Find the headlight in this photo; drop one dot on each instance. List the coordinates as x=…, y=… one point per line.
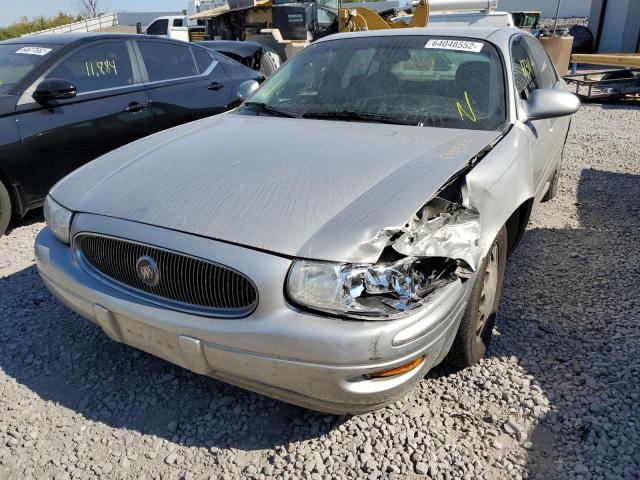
x=58, y=219
x=377, y=292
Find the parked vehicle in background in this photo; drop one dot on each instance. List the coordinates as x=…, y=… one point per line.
x=526, y=20
x=176, y=27
x=350, y=231
x=463, y=18
x=66, y=99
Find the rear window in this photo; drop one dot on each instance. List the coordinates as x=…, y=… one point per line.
x=203, y=59
x=166, y=61
x=18, y=60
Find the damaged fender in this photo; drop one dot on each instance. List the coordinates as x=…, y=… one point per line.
x=497, y=196
x=464, y=232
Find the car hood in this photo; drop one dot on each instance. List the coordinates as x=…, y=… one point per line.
x=305, y=188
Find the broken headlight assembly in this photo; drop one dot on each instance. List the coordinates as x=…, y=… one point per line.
x=436, y=247
x=382, y=291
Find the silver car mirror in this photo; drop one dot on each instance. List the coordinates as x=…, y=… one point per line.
x=550, y=103
x=246, y=89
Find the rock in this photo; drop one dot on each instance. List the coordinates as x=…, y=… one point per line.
x=422, y=468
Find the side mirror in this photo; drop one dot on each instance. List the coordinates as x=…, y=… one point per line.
x=550, y=103
x=246, y=89
x=54, y=89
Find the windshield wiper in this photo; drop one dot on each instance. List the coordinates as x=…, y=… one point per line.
x=263, y=107
x=357, y=116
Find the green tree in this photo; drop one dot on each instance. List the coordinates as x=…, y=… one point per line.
x=24, y=25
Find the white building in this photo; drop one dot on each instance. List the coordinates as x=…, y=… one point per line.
x=615, y=25
x=568, y=8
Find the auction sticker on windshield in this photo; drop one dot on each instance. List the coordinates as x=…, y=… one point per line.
x=455, y=45
x=34, y=51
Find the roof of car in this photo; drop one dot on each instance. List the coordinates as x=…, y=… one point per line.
x=70, y=37
x=482, y=33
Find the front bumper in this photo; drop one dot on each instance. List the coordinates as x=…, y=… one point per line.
x=302, y=358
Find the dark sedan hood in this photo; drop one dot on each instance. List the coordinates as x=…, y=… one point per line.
x=308, y=188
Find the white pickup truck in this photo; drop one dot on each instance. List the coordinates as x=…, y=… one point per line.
x=178, y=27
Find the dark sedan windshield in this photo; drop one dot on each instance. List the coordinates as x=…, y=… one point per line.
x=18, y=60
x=413, y=80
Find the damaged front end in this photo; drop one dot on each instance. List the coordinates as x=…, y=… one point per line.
x=438, y=246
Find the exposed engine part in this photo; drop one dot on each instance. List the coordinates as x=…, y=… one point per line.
x=445, y=229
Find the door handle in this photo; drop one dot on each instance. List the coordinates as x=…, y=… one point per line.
x=216, y=86
x=135, y=107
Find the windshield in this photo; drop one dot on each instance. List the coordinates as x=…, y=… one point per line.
x=413, y=80
x=18, y=60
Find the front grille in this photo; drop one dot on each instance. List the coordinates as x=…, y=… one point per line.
x=179, y=281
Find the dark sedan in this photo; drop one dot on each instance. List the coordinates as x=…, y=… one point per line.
x=66, y=99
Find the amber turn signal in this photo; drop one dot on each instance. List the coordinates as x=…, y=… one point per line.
x=407, y=367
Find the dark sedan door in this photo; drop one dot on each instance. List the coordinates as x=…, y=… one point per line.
x=110, y=110
x=184, y=83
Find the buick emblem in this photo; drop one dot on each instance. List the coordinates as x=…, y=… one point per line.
x=147, y=271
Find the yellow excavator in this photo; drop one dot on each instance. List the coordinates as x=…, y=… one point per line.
x=284, y=27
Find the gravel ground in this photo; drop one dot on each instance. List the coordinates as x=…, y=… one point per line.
x=557, y=397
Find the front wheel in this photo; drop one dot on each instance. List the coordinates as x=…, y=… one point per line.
x=476, y=326
x=5, y=209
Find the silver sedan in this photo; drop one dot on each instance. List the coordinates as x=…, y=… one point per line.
x=337, y=236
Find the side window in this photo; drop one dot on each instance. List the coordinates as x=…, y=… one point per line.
x=177, y=22
x=203, y=59
x=541, y=64
x=97, y=67
x=165, y=61
x=524, y=75
x=159, y=27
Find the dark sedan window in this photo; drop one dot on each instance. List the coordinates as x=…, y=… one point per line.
x=18, y=60
x=165, y=61
x=203, y=59
x=97, y=67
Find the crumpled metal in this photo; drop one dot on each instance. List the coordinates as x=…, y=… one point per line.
x=451, y=234
x=399, y=278
x=407, y=285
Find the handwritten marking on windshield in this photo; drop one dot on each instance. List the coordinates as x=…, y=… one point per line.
x=470, y=114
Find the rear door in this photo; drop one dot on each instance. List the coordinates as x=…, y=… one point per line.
x=110, y=110
x=184, y=83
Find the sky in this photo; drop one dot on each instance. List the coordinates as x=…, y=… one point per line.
x=12, y=10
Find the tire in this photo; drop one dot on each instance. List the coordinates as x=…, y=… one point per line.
x=269, y=62
x=5, y=209
x=476, y=327
x=553, y=187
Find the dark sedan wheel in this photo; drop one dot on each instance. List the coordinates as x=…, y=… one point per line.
x=476, y=326
x=5, y=209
